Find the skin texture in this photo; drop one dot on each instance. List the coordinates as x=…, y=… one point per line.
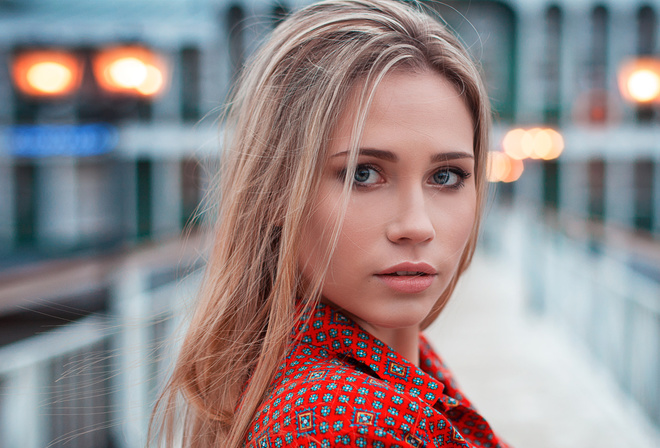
x=414, y=200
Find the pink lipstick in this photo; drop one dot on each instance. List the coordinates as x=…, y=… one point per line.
x=408, y=278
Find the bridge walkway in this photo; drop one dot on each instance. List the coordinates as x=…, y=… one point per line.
x=537, y=387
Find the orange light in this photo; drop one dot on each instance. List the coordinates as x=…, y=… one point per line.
x=554, y=148
x=644, y=85
x=639, y=80
x=152, y=83
x=498, y=166
x=516, y=169
x=534, y=143
x=503, y=168
x=130, y=70
x=46, y=73
x=513, y=145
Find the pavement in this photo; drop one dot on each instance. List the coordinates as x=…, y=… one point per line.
x=536, y=386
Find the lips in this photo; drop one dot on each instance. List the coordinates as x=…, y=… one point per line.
x=408, y=268
x=408, y=278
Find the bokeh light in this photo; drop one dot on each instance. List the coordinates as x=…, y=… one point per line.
x=639, y=80
x=503, y=168
x=130, y=70
x=152, y=82
x=534, y=143
x=513, y=145
x=644, y=85
x=127, y=73
x=46, y=73
x=555, y=146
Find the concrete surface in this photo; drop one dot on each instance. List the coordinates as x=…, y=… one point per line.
x=536, y=387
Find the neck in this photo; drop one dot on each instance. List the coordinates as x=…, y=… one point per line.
x=405, y=341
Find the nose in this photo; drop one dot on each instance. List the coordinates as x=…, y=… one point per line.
x=411, y=223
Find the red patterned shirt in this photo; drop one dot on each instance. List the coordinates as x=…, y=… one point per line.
x=342, y=387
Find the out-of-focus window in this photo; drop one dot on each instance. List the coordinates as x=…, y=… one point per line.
x=644, y=180
x=191, y=191
x=190, y=85
x=598, y=112
x=647, y=26
x=551, y=72
x=144, y=174
x=551, y=183
x=236, y=36
x=25, y=202
x=596, y=182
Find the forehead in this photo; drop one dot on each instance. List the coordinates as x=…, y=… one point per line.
x=407, y=108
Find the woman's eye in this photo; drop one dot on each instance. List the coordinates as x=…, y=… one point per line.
x=449, y=177
x=366, y=175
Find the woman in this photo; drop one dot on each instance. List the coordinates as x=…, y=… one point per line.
x=350, y=199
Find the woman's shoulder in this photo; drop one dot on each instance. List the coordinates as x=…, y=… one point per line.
x=325, y=401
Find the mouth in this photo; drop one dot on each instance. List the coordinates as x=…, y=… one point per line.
x=409, y=269
x=406, y=274
x=408, y=278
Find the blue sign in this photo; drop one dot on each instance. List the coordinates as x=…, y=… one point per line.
x=62, y=140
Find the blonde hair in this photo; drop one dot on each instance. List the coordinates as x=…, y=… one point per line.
x=282, y=114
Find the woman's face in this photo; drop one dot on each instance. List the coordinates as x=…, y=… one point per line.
x=411, y=210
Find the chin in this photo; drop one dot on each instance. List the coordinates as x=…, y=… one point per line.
x=395, y=319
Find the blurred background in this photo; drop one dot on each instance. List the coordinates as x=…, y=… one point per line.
x=109, y=140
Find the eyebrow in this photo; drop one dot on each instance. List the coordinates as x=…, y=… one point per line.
x=389, y=156
x=453, y=155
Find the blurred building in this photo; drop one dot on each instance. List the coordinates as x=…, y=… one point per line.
x=107, y=122
x=582, y=228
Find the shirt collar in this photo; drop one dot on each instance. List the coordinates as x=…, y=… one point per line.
x=332, y=330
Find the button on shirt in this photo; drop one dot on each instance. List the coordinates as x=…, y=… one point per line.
x=341, y=387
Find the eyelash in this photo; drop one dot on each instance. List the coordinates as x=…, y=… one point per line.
x=462, y=175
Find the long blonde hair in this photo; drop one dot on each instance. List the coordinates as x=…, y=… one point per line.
x=281, y=116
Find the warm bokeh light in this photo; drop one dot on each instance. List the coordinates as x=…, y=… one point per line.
x=498, y=166
x=130, y=70
x=503, y=168
x=516, y=169
x=152, y=82
x=49, y=77
x=46, y=73
x=639, y=80
x=555, y=146
x=534, y=143
x=127, y=73
x=644, y=85
x=512, y=143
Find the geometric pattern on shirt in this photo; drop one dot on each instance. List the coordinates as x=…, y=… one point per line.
x=341, y=387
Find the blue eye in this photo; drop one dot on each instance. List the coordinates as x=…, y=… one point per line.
x=365, y=174
x=452, y=178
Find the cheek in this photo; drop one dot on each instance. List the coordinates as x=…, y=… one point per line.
x=355, y=243
x=361, y=223
x=457, y=220
x=466, y=216
x=362, y=233
x=315, y=239
x=311, y=247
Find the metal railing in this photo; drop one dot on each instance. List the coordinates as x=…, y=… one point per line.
x=92, y=383
x=595, y=291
